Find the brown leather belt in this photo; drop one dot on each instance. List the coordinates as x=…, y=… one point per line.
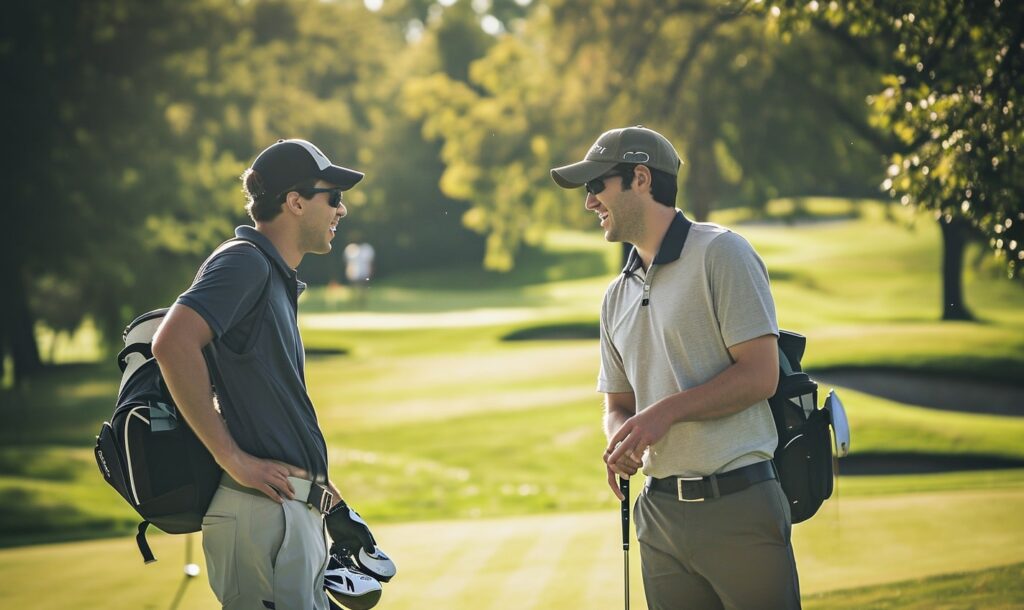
x=698, y=489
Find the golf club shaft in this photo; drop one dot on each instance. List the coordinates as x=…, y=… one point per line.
x=624, y=488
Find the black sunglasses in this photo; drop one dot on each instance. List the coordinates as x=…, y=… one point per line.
x=334, y=200
x=596, y=185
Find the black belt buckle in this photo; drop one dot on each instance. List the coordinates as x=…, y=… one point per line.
x=681, y=489
x=320, y=497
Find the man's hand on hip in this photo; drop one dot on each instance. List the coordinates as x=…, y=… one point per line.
x=267, y=476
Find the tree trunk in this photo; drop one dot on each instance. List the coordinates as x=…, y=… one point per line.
x=702, y=178
x=954, y=239
x=17, y=329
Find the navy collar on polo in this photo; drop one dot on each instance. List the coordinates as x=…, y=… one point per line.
x=671, y=245
x=250, y=233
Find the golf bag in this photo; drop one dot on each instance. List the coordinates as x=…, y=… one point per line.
x=803, y=458
x=147, y=452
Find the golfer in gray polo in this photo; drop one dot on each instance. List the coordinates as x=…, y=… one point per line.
x=688, y=359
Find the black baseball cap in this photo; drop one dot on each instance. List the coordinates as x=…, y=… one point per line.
x=287, y=162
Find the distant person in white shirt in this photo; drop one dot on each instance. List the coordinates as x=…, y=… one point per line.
x=359, y=270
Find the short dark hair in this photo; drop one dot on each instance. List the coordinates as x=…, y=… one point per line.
x=664, y=186
x=264, y=206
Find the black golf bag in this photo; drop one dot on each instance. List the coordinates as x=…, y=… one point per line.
x=803, y=457
x=147, y=452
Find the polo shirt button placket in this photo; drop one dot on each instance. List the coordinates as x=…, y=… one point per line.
x=647, y=288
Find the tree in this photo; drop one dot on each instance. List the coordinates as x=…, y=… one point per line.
x=731, y=98
x=493, y=120
x=705, y=76
x=949, y=109
x=135, y=120
x=91, y=133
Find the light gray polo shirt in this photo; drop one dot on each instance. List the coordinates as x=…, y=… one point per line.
x=668, y=329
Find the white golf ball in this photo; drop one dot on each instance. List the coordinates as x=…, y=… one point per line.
x=191, y=569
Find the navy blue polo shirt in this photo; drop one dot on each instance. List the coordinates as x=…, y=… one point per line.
x=256, y=359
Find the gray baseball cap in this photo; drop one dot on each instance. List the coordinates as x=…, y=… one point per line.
x=624, y=145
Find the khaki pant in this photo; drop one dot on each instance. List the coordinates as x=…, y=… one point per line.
x=261, y=554
x=730, y=552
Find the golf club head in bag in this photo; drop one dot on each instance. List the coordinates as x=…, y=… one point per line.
x=352, y=536
x=348, y=587
x=840, y=425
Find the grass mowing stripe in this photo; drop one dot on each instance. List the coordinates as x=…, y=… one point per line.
x=483, y=581
x=577, y=584
x=876, y=541
x=442, y=567
x=522, y=586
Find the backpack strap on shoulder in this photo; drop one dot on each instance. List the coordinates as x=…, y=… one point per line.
x=264, y=299
x=787, y=368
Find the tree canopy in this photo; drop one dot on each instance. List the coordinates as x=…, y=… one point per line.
x=130, y=122
x=949, y=103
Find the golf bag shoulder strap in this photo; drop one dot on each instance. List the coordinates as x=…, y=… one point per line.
x=227, y=245
x=146, y=349
x=787, y=368
x=264, y=298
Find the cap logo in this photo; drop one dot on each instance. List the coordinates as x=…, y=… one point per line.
x=636, y=157
x=597, y=149
x=319, y=157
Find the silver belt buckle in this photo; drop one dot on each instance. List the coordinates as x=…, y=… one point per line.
x=325, y=501
x=679, y=488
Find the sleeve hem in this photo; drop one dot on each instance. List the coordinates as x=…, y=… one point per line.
x=749, y=333
x=608, y=387
x=197, y=307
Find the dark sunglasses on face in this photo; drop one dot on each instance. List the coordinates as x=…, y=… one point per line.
x=596, y=185
x=334, y=200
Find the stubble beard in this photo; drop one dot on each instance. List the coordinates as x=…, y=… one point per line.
x=314, y=242
x=625, y=227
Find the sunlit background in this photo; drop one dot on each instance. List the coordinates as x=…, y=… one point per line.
x=870, y=153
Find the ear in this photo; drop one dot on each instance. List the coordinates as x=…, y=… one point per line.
x=642, y=178
x=294, y=203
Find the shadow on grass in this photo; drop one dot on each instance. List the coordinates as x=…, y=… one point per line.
x=533, y=266
x=62, y=405
x=548, y=332
x=321, y=352
x=883, y=463
x=947, y=389
x=25, y=518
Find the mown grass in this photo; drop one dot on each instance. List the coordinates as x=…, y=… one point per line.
x=431, y=414
x=869, y=549
x=999, y=588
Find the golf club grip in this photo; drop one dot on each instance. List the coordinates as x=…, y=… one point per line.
x=624, y=488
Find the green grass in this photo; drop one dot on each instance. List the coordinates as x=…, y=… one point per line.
x=857, y=552
x=431, y=414
x=996, y=588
